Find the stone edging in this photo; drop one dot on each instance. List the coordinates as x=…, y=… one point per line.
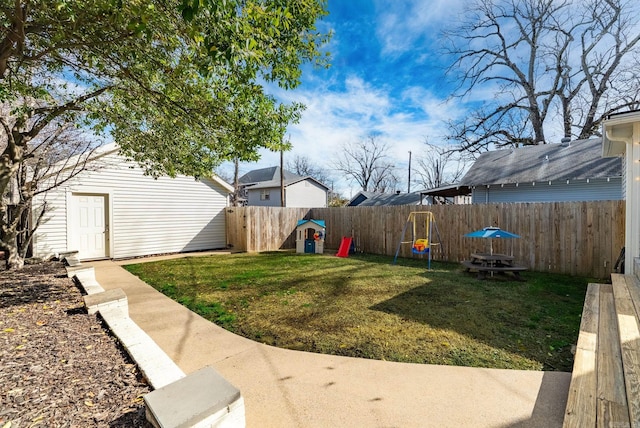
x=201, y=399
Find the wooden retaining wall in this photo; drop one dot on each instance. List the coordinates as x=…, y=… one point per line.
x=579, y=238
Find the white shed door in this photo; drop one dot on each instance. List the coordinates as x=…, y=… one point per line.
x=89, y=226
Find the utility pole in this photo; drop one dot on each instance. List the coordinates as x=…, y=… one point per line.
x=409, y=180
x=282, y=204
x=236, y=185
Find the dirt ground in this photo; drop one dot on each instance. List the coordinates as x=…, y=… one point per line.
x=59, y=366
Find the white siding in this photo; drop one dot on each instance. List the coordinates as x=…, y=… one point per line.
x=51, y=236
x=147, y=216
x=624, y=177
x=306, y=194
x=594, y=190
x=303, y=194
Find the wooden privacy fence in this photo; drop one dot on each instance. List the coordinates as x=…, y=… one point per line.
x=579, y=238
x=256, y=229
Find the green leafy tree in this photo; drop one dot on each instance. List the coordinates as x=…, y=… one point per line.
x=175, y=83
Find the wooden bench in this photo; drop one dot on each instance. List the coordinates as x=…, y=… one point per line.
x=605, y=383
x=483, y=269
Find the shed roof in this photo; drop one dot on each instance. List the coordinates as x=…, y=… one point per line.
x=580, y=159
x=110, y=148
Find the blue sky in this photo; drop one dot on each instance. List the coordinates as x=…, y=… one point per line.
x=387, y=78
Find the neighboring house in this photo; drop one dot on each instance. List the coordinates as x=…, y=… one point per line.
x=261, y=187
x=457, y=194
x=359, y=198
x=424, y=197
x=622, y=140
x=371, y=199
x=115, y=211
x=571, y=171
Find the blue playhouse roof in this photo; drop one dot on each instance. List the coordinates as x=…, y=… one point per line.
x=320, y=223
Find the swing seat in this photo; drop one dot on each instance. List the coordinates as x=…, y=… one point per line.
x=421, y=246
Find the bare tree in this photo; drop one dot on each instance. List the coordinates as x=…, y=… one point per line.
x=367, y=163
x=238, y=197
x=438, y=166
x=548, y=63
x=385, y=180
x=225, y=173
x=304, y=166
x=59, y=152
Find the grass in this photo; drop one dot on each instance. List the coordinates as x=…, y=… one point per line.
x=363, y=306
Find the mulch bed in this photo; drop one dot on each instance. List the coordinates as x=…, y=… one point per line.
x=59, y=366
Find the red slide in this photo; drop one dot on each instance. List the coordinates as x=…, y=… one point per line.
x=345, y=245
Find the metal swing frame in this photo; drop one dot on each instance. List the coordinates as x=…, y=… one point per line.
x=430, y=227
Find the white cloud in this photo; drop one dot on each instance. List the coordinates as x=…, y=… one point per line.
x=401, y=26
x=334, y=118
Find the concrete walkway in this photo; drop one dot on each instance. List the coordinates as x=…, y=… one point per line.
x=284, y=388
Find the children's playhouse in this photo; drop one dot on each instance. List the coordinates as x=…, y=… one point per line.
x=310, y=236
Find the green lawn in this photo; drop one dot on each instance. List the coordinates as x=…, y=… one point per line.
x=363, y=306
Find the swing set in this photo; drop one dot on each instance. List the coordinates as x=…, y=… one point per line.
x=420, y=244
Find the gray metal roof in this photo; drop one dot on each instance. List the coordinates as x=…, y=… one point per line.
x=448, y=191
x=266, y=174
x=266, y=178
x=387, y=199
x=359, y=197
x=580, y=159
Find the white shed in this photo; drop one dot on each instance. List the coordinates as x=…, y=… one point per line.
x=115, y=211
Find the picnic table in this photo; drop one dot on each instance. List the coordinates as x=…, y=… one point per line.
x=492, y=262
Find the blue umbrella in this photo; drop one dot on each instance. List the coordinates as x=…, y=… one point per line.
x=491, y=232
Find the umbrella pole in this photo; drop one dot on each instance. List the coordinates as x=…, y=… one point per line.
x=491, y=252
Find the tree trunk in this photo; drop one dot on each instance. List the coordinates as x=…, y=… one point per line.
x=14, y=260
x=282, y=201
x=537, y=125
x=10, y=161
x=9, y=239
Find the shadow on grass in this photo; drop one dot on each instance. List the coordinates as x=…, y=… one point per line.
x=530, y=319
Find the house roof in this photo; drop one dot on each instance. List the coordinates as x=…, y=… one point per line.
x=266, y=174
x=270, y=177
x=448, y=191
x=370, y=199
x=580, y=159
x=359, y=198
